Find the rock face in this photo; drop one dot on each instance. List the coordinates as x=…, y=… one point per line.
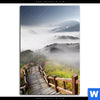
x=26, y=56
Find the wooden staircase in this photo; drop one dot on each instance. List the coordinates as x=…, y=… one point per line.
x=38, y=85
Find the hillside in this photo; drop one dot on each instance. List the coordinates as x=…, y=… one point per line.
x=26, y=56
x=62, y=47
x=69, y=26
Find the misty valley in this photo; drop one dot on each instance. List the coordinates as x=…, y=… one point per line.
x=56, y=49
x=61, y=46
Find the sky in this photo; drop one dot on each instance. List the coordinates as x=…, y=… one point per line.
x=46, y=15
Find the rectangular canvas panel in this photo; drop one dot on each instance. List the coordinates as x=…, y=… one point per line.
x=50, y=50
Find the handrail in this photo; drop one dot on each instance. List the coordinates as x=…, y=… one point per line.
x=66, y=91
x=50, y=78
x=25, y=86
x=64, y=79
x=74, y=82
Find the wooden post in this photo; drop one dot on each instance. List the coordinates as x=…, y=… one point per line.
x=74, y=85
x=26, y=72
x=55, y=83
x=26, y=86
x=48, y=80
x=43, y=74
x=64, y=84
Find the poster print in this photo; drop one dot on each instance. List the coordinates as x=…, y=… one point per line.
x=50, y=50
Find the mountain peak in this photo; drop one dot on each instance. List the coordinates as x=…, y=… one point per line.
x=67, y=26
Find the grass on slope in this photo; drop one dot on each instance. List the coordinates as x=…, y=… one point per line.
x=62, y=71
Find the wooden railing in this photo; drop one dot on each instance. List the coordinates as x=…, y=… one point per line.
x=24, y=88
x=55, y=80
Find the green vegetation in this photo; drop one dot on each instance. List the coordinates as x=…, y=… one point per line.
x=61, y=71
x=52, y=68
x=22, y=66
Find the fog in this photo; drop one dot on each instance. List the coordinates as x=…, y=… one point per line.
x=71, y=59
x=37, y=38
